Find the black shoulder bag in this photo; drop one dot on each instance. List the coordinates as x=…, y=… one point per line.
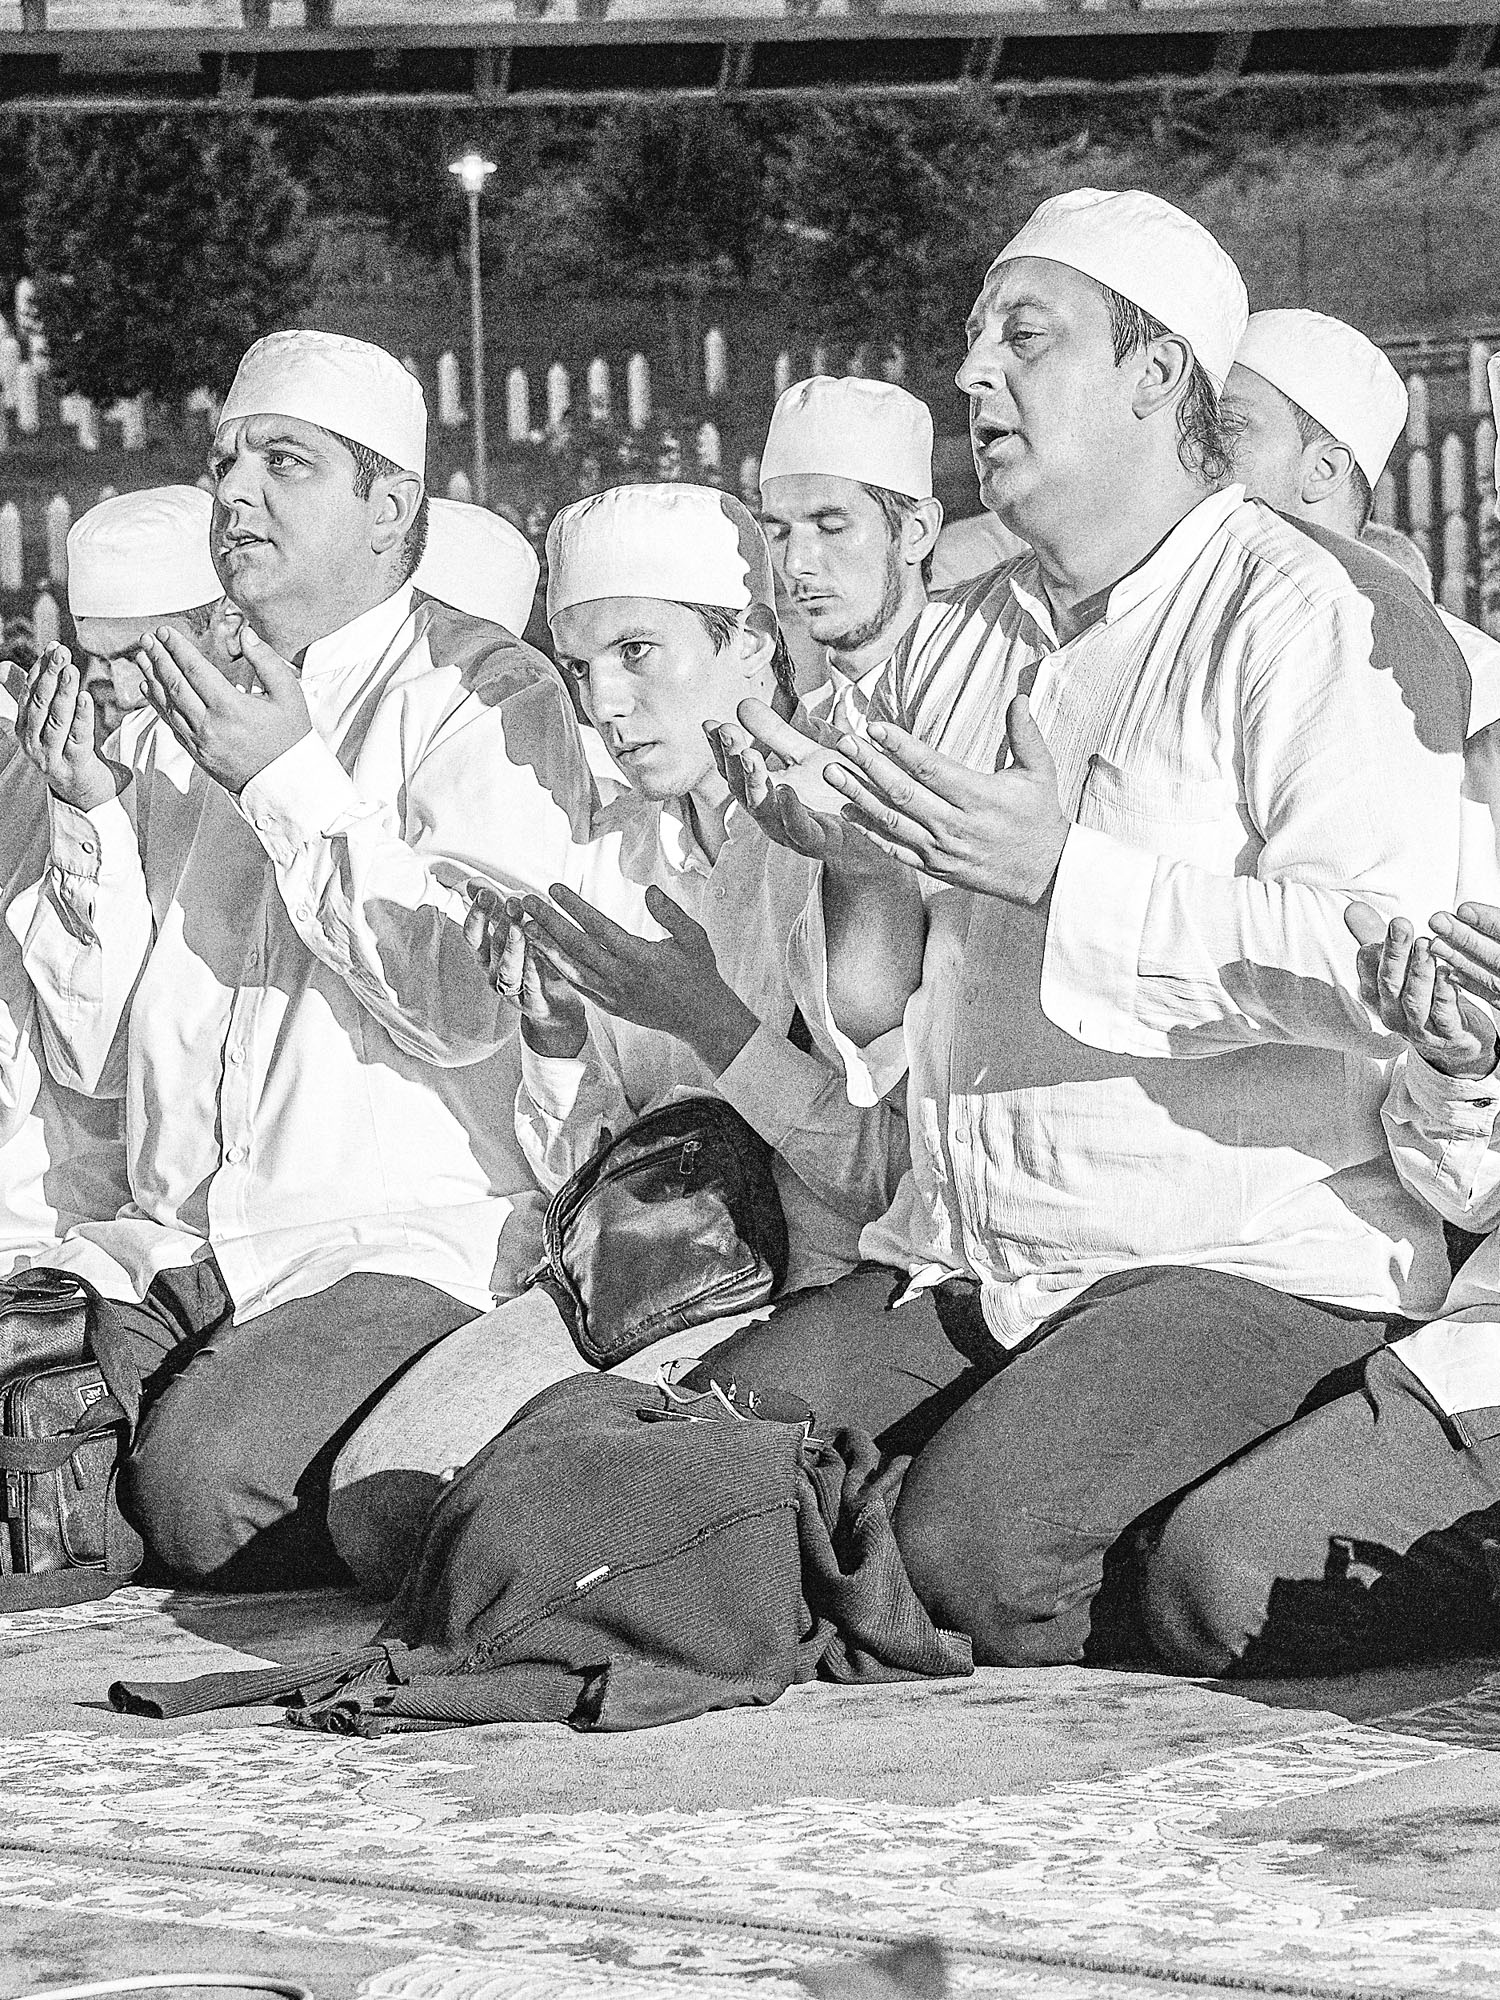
x=675, y=1222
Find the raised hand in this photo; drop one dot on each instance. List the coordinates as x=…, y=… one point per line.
x=1414, y=994
x=231, y=733
x=552, y=1017
x=55, y=729
x=1000, y=833
x=779, y=775
x=671, y=984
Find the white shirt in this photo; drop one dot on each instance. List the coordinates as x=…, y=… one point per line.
x=841, y=706
x=319, y=1077
x=1446, y=1148
x=62, y=1155
x=1171, y=1063
x=836, y=1166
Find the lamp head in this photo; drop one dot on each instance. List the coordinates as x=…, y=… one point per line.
x=473, y=170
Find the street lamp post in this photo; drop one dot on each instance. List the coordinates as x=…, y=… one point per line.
x=473, y=170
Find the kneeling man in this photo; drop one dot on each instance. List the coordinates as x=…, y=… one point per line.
x=265, y=896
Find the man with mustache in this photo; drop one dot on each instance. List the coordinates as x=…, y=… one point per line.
x=266, y=895
x=848, y=510
x=1089, y=886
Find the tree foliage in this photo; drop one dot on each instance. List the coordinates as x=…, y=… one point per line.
x=160, y=249
x=676, y=189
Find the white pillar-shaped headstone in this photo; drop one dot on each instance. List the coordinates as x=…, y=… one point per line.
x=460, y=487
x=710, y=450
x=41, y=354
x=28, y=405
x=1385, y=498
x=12, y=555
x=204, y=403
x=59, y=520
x=1484, y=458
x=409, y=363
x=450, y=395
x=1419, y=492
x=598, y=390
x=4, y=428
x=67, y=410
x=1479, y=377
x=669, y=457
x=108, y=493
x=10, y=362
x=559, y=396
x=638, y=391
x=1418, y=414
x=130, y=414
x=1453, y=474
x=820, y=359
x=715, y=362
x=88, y=425
x=517, y=406
x=1453, y=592
x=893, y=367
x=46, y=625
x=750, y=480
x=783, y=372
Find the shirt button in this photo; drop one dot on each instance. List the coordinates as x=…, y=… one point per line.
x=253, y=960
x=235, y=1155
x=236, y=1055
x=304, y=913
x=88, y=847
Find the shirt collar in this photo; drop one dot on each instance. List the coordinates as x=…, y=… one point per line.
x=361, y=642
x=679, y=844
x=1167, y=564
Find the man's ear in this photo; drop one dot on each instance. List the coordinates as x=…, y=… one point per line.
x=1162, y=370
x=920, y=528
x=397, y=496
x=1327, y=466
x=757, y=639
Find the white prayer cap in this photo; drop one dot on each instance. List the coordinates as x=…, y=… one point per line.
x=875, y=432
x=142, y=555
x=690, y=544
x=1150, y=253
x=348, y=386
x=477, y=562
x=1341, y=379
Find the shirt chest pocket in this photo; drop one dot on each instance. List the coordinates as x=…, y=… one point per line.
x=1201, y=820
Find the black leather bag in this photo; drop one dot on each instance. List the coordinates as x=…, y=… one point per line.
x=62, y=1429
x=675, y=1222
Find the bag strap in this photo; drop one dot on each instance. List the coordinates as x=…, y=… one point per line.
x=49, y=1454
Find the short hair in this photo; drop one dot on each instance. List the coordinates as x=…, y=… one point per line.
x=898, y=509
x=1401, y=550
x=721, y=626
x=1206, y=432
x=1310, y=431
x=370, y=465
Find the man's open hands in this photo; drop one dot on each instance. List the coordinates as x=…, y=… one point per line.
x=55, y=729
x=779, y=775
x=552, y=1016
x=671, y=984
x=231, y=734
x=1000, y=833
x=1403, y=979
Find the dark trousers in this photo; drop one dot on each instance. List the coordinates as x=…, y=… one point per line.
x=1027, y=1471
x=227, y=1477
x=1363, y=1534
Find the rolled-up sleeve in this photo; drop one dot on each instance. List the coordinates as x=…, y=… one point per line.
x=1349, y=795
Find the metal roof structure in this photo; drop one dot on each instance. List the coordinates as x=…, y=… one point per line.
x=91, y=54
